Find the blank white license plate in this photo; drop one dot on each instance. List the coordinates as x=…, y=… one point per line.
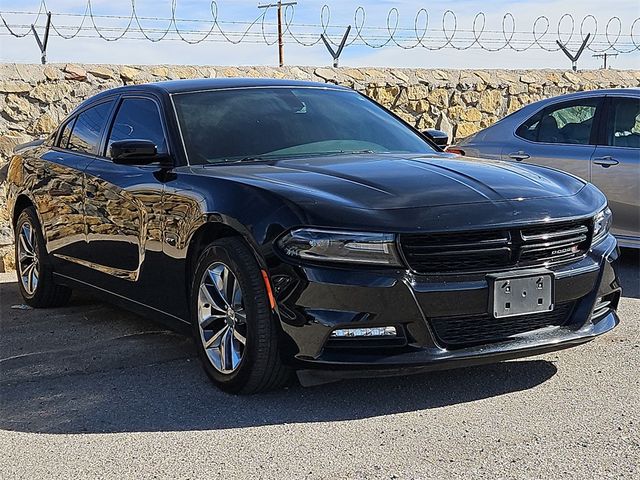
x=522, y=295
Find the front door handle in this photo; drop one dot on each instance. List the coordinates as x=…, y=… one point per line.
x=606, y=161
x=519, y=156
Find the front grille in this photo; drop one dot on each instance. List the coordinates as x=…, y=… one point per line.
x=465, y=331
x=496, y=249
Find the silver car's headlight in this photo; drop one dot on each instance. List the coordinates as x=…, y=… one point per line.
x=601, y=224
x=319, y=245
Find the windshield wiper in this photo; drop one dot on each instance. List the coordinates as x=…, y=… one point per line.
x=263, y=158
x=255, y=158
x=251, y=158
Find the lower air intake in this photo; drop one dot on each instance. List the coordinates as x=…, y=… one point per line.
x=466, y=331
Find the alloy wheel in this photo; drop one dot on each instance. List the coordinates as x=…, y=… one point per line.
x=222, y=319
x=28, y=262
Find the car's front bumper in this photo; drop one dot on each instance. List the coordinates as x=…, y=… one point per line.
x=313, y=301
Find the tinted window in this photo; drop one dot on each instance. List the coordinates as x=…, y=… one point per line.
x=624, y=123
x=529, y=129
x=85, y=135
x=139, y=119
x=568, y=122
x=233, y=124
x=66, y=134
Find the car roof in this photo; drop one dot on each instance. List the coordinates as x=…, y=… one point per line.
x=601, y=91
x=179, y=86
x=199, y=84
x=590, y=93
x=529, y=109
x=170, y=87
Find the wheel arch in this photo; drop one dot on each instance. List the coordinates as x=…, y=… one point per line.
x=208, y=233
x=22, y=202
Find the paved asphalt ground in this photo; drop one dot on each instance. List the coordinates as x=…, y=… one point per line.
x=91, y=391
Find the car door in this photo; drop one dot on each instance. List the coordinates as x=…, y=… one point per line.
x=62, y=205
x=124, y=204
x=561, y=135
x=616, y=165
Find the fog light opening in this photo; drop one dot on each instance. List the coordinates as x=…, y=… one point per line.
x=364, y=332
x=603, y=306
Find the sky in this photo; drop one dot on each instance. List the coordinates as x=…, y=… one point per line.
x=307, y=13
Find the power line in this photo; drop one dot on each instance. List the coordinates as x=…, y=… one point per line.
x=604, y=57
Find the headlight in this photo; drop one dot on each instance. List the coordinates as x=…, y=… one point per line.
x=601, y=225
x=344, y=247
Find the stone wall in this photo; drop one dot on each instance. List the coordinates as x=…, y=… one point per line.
x=35, y=98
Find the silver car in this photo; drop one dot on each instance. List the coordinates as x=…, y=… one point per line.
x=594, y=135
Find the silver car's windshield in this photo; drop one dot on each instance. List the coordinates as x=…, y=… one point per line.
x=256, y=123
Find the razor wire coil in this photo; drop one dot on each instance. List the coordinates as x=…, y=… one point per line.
x=447, y=34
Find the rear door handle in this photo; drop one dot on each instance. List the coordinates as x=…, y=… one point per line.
x=519, y=156
x=606, y=162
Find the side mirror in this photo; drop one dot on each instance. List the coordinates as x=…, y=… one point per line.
x=437, y=136
x=137, y=152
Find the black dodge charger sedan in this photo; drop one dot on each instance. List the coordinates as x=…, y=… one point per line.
x=294, y=226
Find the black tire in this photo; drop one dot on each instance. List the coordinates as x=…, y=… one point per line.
x=47, y=293
x=260, y=368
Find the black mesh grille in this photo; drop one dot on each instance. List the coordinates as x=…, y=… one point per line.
x=465, y=331
x=496, y=249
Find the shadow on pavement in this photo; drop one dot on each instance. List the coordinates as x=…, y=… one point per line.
x=94, y=368
x=629, y=272
x=176, y=396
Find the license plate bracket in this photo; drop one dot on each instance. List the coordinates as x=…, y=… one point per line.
x=521, y=293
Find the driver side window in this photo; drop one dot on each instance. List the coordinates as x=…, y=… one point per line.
x=569, y=123
x=138, y=119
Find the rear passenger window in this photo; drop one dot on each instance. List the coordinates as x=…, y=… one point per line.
x=85, y=136
x=529, y=129
x=569, y=123
x=138, y=119
x=624, y=123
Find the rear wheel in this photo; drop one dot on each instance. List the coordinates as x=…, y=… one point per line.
x=33, y=265
x=235, y=332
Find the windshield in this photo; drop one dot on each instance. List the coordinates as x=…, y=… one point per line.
x=259, y=123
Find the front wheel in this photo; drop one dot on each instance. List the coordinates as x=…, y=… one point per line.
x=33, y=266
x=235, y=332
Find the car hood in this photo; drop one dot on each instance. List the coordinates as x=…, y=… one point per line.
x=391, y=181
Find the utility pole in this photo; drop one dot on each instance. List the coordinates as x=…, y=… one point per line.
x=280, y=39
x=604, y=57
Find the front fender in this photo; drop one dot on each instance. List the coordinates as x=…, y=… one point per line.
x=18, y=188
x=191, y=202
